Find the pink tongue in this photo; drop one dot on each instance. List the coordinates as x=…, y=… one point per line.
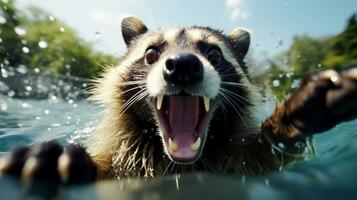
x=183, y=113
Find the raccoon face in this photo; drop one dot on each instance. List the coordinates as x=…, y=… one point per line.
x=188, y=73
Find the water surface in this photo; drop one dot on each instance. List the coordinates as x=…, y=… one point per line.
x=330, y=174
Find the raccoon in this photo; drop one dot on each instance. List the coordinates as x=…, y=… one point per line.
x=181, y=95
x=182, y=100
x=184, y=96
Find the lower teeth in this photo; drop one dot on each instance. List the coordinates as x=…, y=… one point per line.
x=197, y=144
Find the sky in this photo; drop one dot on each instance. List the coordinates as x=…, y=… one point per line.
x=272, y=23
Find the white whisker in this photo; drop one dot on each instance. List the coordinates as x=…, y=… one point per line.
x=228, y=92
x=131, y=89
x=233, y=104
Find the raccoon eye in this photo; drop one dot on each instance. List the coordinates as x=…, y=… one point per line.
x=151, y=55
x=214, y=56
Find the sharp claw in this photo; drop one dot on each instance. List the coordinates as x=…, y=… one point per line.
x=64, y=162
x=30, y=167
x=4, y=165
x=331, y=75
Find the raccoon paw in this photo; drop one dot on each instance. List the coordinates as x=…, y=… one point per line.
x=49, y=164
x=322, y=101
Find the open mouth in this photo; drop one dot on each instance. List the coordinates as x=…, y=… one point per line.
x=183, y=120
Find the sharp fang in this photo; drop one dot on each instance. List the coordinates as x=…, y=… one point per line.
x=206, y=102
x=172, y=145
x=197, y=144
x=159, y=101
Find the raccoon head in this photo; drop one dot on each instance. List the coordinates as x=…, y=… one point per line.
x=189, y=78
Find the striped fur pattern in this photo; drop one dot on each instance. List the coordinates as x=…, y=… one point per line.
x=127, y=142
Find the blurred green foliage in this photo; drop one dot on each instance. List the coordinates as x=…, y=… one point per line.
x=10, y=41
x=35, y=39
x=308, y=55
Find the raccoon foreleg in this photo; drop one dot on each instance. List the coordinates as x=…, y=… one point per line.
x=322, y=101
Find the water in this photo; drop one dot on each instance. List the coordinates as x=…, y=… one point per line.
x=70, y=119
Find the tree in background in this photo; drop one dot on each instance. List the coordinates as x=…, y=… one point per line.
x=11, y=35
x=48, y=44
x=308, y=55
x=344, y=46
x=56, y=45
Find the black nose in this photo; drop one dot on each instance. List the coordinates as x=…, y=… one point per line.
x=183, y=69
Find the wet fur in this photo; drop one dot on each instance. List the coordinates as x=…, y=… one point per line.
x=127, y=143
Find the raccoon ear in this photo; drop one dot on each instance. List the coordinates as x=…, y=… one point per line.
x=240, y=40
x=131, y=28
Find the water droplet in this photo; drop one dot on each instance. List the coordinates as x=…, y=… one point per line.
x=281, y=145
x=3, y=107
x=25, y=50
x=20, y=31
x=98, y=35
x=22, y=69
x=51, y=18
x=286, y=62
x=2, y=20
x=4, y=73
x=266, y=65
x=70, y=101
x=280, y=43
x=276, y=83
x=25, y=105
x=267, y=182
x=28, y=88
x=11, y=93
x=47, y=112
x=37, y=70
x=62, y=29
x=53, y=98
x=243, y=180
x=42, y=44
x=145, y=131
x=295, y=84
